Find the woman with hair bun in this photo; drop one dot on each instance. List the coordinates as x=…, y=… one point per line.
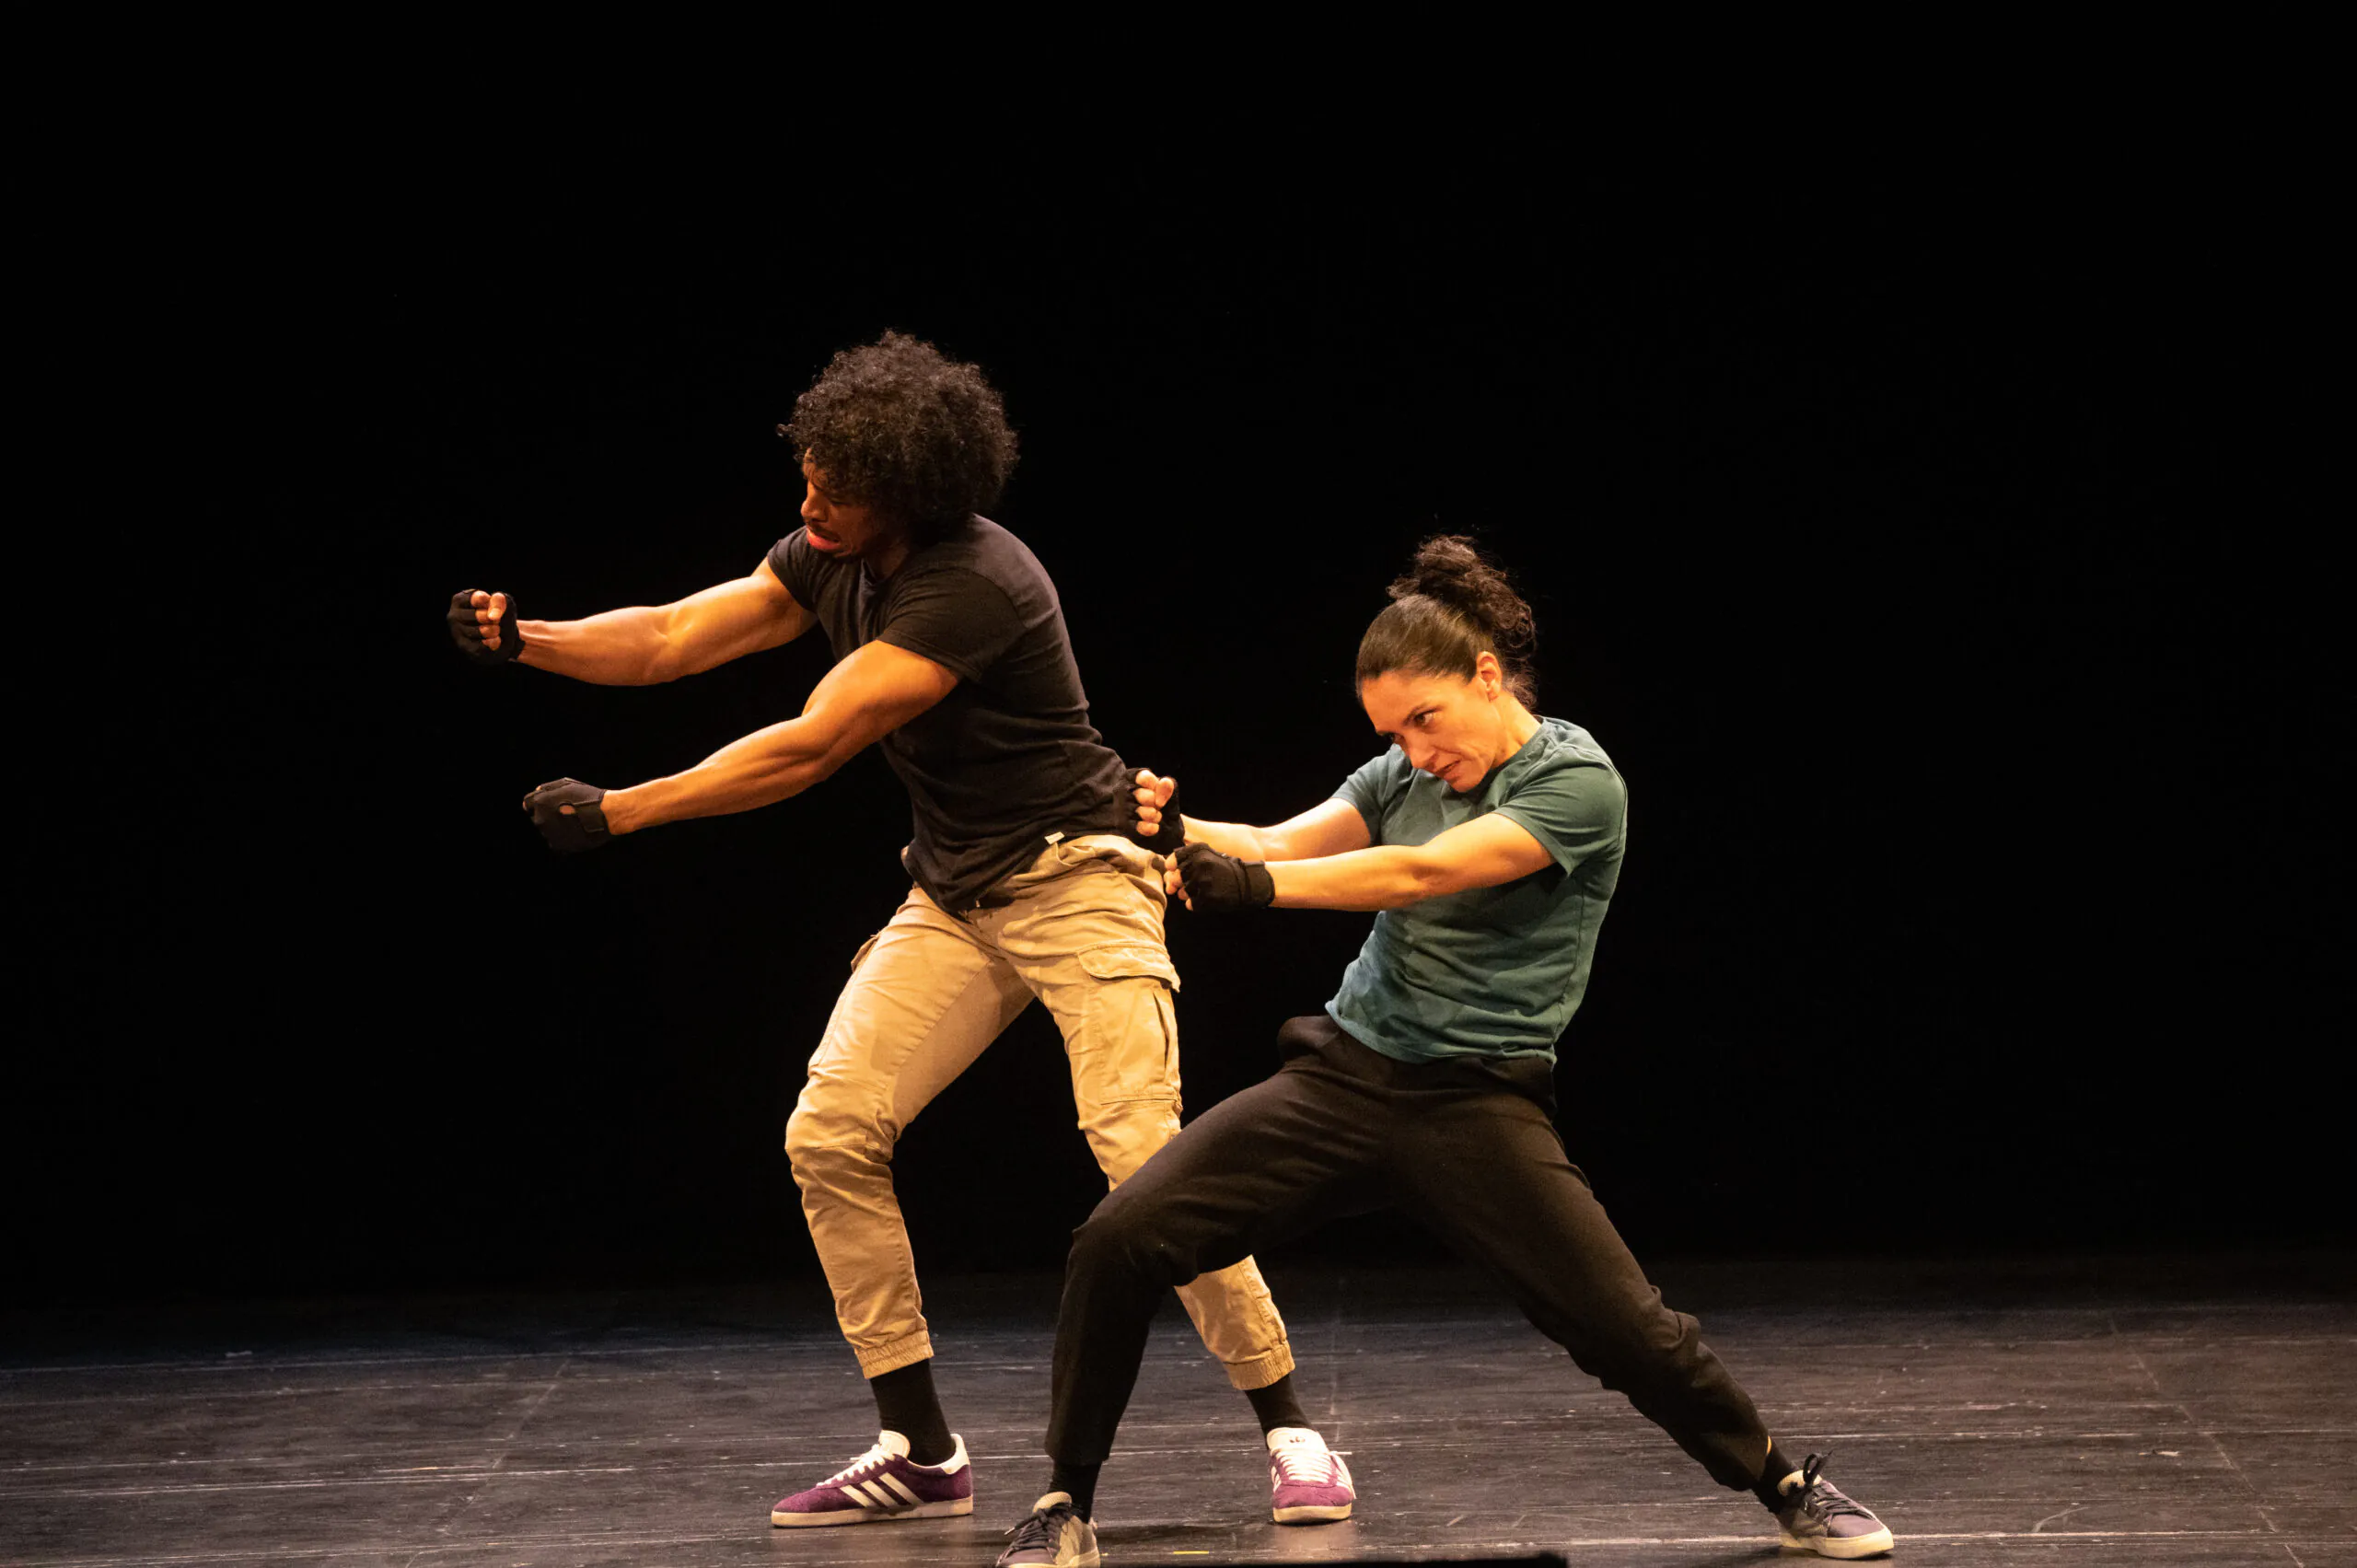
x=1489, y=839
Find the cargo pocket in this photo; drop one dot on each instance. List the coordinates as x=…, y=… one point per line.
x=1130, y=1051
x=1122, y=960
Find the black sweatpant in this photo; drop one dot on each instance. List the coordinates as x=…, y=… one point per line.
x=1468, y=1148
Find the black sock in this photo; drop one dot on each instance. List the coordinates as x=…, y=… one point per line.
x=1078, y=1480
x=1778, y=1467
x=905, y=1403
x=1276, y=1405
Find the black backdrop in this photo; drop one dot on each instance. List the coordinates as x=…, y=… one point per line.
x=1912, y=559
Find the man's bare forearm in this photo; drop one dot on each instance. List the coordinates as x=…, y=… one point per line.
x=621, y=647
x=862, y=700
x=767, y=766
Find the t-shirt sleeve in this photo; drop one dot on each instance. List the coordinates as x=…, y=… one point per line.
x=1573, y=812
x=1372, y=787
x=958, y=618
x=791, y=559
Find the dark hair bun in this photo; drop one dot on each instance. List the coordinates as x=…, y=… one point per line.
x=1449, y=569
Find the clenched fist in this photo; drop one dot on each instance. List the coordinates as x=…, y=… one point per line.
x=1213, y=883
x=1158, y=827
x=570, y=815
x=483, y=625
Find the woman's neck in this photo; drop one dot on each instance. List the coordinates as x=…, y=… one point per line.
x=1521, y=724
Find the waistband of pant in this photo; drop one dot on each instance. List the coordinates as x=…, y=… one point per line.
x=1532, y=1077
x=999, y=895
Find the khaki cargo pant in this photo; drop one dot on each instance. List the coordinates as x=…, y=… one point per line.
x=1082, y=931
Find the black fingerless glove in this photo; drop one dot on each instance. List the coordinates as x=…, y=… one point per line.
x=1220, y=884
x=467, y=631
x=569, y=831
x=1170, y=835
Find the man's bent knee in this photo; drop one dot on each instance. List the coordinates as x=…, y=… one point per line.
x=820, y=1136
x=1125, y=1134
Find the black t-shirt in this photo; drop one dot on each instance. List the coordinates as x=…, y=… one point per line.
x=1007, y=758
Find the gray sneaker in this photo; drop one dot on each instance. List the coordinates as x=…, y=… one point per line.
x=1053, y=1536
x=1816, y=1517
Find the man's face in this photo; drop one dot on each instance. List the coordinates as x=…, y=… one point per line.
x=1449, y=726
x=843, y=529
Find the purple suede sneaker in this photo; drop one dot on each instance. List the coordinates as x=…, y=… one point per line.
x=1308, y=1483
x=882, y=1485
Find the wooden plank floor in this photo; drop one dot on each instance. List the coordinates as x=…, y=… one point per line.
x=2146, y=1412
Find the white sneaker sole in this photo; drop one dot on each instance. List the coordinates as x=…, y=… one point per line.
x=874, y=1515
x=1322, y=1514
x=1842, y=1546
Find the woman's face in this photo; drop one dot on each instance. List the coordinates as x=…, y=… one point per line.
x=1450, y=727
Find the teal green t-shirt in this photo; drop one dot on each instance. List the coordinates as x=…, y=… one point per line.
x=1492, y=972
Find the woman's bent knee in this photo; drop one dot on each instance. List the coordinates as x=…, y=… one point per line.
x=1656, y=1349
x=1129, y=1236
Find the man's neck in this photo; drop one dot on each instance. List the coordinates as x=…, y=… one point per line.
x=889, y=557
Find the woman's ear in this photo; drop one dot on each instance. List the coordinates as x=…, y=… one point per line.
x=1489, y=674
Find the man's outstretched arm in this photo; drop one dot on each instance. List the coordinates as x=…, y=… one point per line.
x=647, y=645
x=864, y=698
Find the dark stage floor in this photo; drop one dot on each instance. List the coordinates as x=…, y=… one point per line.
x=2136, y=1411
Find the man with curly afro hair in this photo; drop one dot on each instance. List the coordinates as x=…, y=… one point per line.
x=951, y=655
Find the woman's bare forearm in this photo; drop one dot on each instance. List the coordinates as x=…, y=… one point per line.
x=1330, y=826
x=1228, y=838
x=1484, y=853
x=1385, y=877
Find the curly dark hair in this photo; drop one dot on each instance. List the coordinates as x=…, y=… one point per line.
x=1452, y=606
x=899, y=426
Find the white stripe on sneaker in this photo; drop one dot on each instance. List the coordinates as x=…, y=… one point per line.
x=894, y=1482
